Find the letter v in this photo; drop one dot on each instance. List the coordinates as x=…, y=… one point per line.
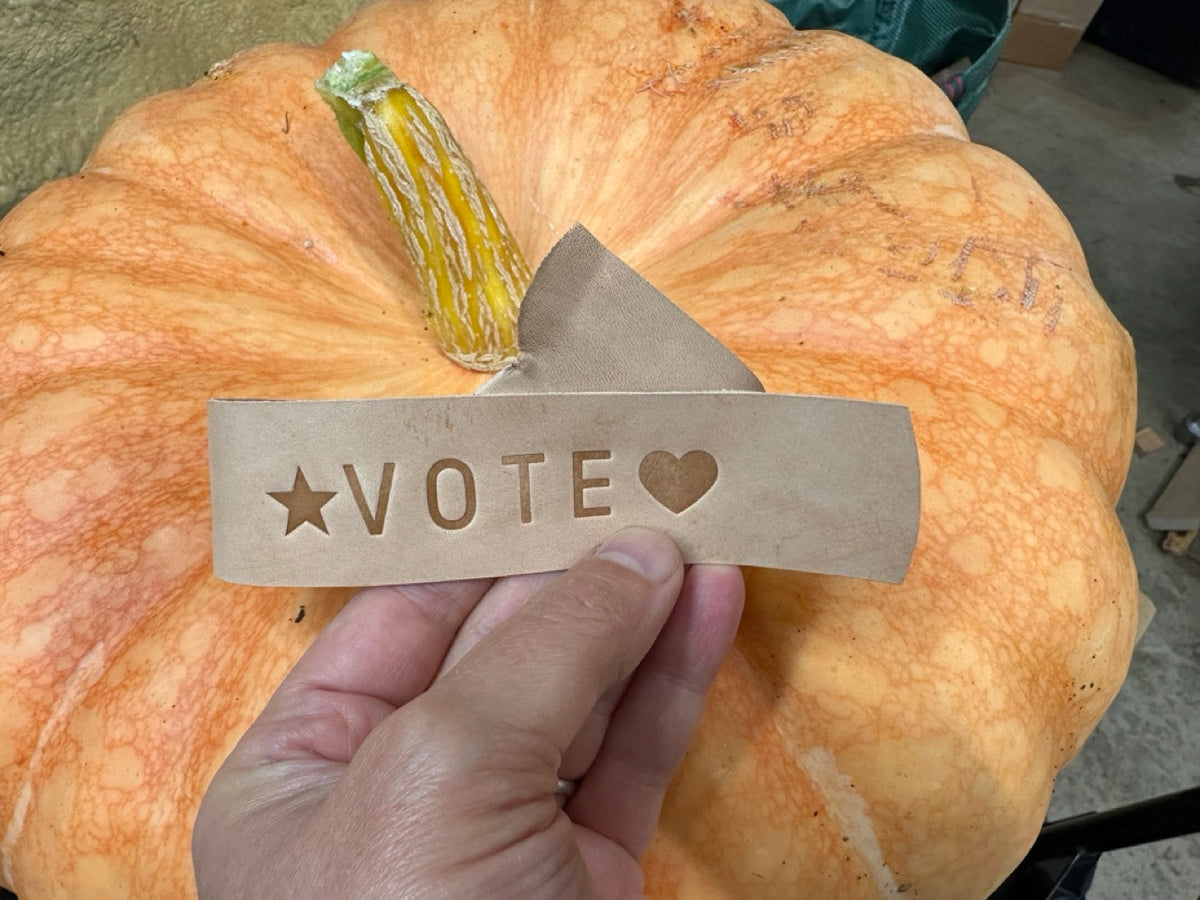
x=373, y=520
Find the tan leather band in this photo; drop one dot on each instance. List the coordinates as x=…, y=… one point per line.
x=351, y=492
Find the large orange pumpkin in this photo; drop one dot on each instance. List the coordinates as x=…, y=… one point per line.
x=813, y=203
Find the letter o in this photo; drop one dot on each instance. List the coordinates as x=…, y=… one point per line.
x=431, y=493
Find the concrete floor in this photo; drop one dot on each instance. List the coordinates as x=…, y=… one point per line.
x=1118, y=148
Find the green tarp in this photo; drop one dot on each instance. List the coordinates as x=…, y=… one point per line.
x=934, y=35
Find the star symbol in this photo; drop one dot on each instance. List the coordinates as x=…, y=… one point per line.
x=303, y=503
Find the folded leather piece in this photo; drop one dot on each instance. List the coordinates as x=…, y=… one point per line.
x=350, y=492
x=589, y=322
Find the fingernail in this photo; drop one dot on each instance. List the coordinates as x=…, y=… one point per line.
x=645, y=551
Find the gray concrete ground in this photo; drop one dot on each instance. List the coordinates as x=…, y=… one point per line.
x=1118, y=147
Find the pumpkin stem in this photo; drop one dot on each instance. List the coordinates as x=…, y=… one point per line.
x=470, y=268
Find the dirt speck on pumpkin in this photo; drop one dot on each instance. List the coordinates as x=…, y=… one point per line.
x=300, y=615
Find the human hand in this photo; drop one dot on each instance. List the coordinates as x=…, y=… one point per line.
x=415, y=749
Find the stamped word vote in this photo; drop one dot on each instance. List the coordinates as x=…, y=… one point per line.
x=450, y=494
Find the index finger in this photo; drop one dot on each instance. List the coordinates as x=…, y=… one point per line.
x=382, y=650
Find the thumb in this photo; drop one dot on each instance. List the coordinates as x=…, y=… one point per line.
x=543, y=669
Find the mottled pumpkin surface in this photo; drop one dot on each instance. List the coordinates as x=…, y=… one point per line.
x=813, y=203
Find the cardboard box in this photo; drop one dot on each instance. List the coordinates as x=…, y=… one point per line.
x=1045, y=32
x=1072, y=13
x=1034, y=41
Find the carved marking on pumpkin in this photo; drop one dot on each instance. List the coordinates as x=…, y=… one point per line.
x=962, y=298
x=791, y=121
x=887, y=206
x=964, y=254
x=1052, y=316
x=1031, y=284
x=678, y=482
x=790, y=193
x=975, y=189
x=303, y=503
x=799, y=100
x=669, y=83
x=779, y=51
x=1029, y=291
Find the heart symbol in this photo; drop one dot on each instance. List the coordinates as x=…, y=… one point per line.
x=677, y=482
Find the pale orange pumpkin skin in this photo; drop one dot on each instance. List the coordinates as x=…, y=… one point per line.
x=810, y=201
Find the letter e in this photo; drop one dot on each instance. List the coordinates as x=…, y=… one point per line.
x=581, y=484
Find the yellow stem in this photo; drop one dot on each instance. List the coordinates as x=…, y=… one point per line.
x=470, y=268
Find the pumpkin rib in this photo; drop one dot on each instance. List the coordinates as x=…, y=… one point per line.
x=157, y=237
x=126, y=340
x=325, y=209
